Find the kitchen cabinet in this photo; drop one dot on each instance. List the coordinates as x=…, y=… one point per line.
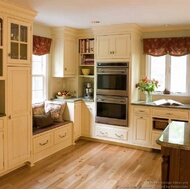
x=64, y=54
x=88, y=119
x=111, y=133
x=52, y=141
x=73, y=113
x=113, y=46
x=19, y=44
x=141, y=126
x=1, y=144
x=19, y=115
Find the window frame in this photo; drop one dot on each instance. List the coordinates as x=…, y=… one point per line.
x=44, y=75
x=168, y=75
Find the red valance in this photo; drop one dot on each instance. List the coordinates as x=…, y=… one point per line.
x=41, y=45
x=176, y=46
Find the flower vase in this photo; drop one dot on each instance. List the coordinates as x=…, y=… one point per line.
x=148, y=96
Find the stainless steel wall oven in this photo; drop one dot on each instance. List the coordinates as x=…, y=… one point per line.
x=112, y=78
x=112, y=93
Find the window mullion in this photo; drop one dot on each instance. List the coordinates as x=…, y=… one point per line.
x=168, y=72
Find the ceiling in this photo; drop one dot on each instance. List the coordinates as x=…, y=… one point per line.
x=81, y=13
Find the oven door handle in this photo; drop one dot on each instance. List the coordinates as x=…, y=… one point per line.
x=112, y=101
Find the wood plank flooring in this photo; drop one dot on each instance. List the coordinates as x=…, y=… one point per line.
x=90, y=165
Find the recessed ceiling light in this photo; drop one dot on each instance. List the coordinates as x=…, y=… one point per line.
x=95, y=22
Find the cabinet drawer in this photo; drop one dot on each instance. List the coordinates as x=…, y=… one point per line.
x=174, y=114
x=62, y=134
x=119, y=134
x=1, y=124
x=112, y=133
x=43, y=142
x=142, y=110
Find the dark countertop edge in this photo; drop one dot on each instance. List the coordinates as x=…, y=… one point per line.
x=150, y=104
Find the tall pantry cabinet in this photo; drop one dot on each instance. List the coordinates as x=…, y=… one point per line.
x=16, y=66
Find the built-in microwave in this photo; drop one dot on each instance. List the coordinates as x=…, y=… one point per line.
x=112, y=78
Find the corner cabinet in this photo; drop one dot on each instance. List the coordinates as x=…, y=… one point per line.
x=19, y=115
x=19, y=48
x=113, y=46
x=64, y=53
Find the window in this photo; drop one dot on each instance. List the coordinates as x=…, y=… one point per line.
x=171, y=71
x=39, y=73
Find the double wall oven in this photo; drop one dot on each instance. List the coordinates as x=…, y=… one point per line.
x=112, y=93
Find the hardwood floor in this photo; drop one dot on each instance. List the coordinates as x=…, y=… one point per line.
x=90, y=165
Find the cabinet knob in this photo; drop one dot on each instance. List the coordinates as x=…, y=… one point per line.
x=9, y=54
x=65, y=69
x=9, y=117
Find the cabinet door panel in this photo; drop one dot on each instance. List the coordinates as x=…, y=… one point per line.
x=104, y=47
x=141, y=130
x=1, y=151
x=19, y=114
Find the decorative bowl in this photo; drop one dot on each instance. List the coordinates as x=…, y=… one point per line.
x=86, y=71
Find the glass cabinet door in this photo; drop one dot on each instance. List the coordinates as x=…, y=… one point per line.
x=19, y=41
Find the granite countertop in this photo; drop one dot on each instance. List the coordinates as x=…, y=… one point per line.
x=176, y=135
x=73, y=99
x=151, y=104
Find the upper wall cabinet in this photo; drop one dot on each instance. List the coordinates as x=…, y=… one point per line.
x=19, y=45
x=113, y=46
x=64, y=55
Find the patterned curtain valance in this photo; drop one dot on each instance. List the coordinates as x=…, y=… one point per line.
x=41, y=45
x=176, y=46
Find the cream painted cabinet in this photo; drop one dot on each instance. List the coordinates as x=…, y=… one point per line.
x=88, y=119
x=19, y=48
x=1, y=144
x=141, y=125
x=64, y=55
x=73, y=113
x=114, y=46
x=19, y=115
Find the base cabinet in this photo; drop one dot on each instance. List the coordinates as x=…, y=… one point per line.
x=1, y=151
x=141, y=130
x=73, y=113
x=111, y=133
x=88, y=119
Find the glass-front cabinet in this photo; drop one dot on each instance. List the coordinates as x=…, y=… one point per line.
x=19, y=48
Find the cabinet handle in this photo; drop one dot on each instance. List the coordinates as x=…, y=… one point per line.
x=9, y=54
x=103, y=133
x=42, y=144
x=113, y=52
x=9, y=117
x=141, y=110
x=65, y=69
x=169, y=113
x=119, y=136
x=62, y=136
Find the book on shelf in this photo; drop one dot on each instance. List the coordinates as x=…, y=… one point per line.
x=91, y=46
x=167, y=102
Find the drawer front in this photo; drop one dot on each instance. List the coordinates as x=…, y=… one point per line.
x=119, y=134
x=1, y=124
x=62, y=134
x=102, y=132
x=112, y=133
x=42, y=142
x=142, y=110
x=174, y=114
